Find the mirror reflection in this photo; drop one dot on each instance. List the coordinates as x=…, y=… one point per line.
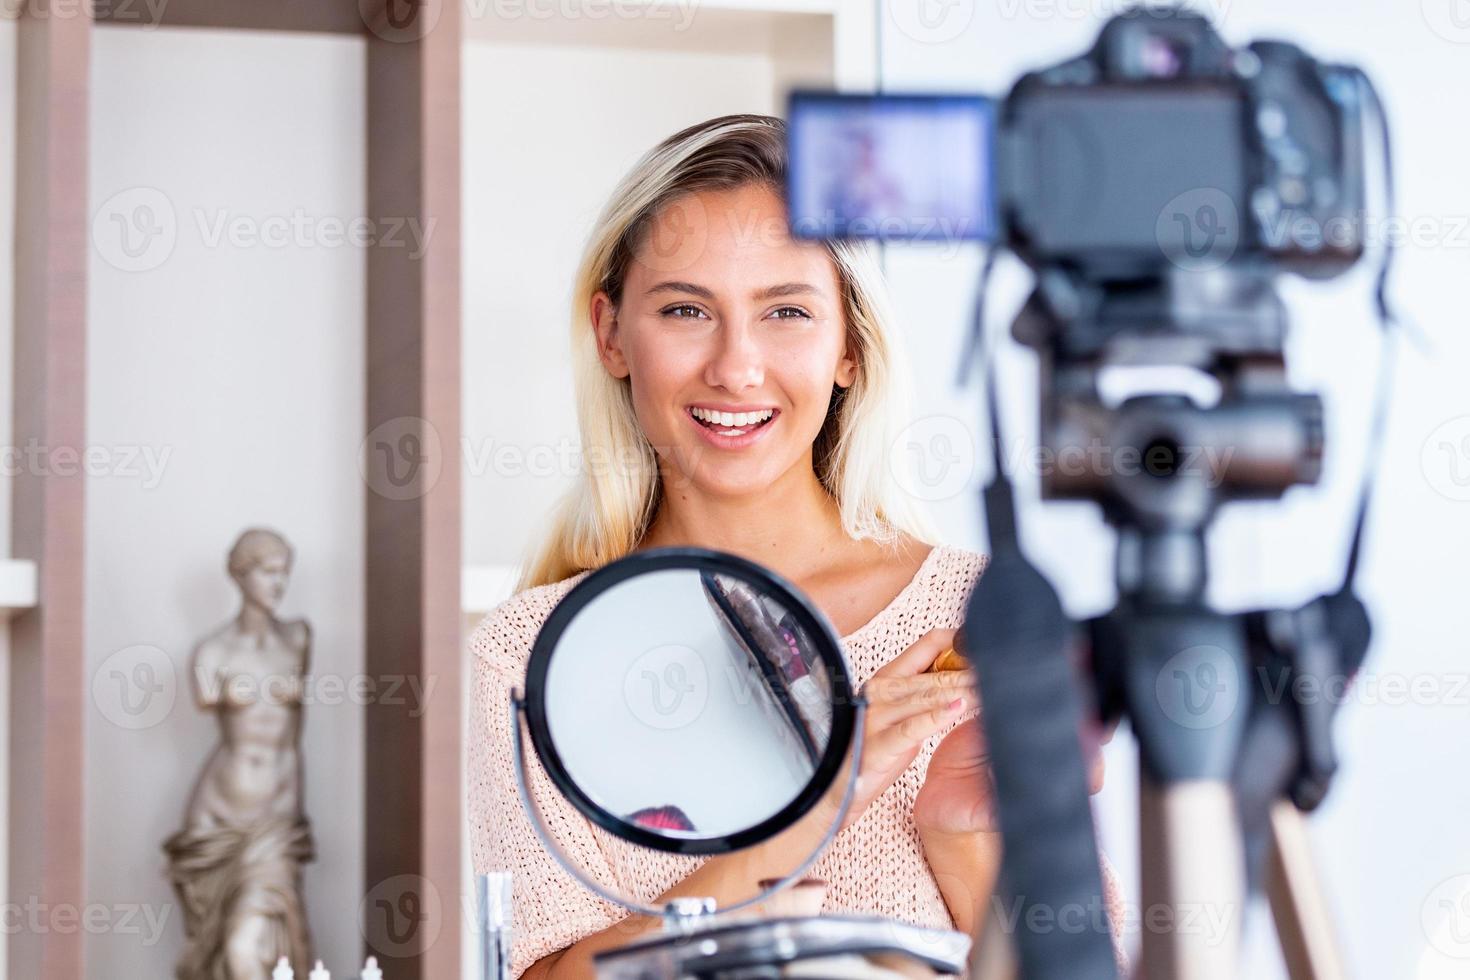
x=689, y=702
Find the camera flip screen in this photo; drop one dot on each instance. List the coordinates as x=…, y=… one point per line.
x=901, y=167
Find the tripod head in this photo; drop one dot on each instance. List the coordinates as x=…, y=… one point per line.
x=1203, y=689
x=1162, y=463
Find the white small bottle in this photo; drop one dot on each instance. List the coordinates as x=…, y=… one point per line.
x=283, y=970
x=319, y=972
x=370, y=970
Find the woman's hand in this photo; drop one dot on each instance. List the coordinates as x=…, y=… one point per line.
x=957, y=796
x=905, y=707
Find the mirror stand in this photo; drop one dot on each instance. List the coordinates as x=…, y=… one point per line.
x=683, y=914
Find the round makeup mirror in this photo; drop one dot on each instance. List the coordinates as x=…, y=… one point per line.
x=689, y=701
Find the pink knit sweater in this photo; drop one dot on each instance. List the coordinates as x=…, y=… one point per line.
x=874, y=867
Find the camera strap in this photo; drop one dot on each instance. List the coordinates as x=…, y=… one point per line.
x=1032, y=712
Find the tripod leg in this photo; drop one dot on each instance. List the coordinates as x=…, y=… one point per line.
x=1193, y=878
x=1302, y=922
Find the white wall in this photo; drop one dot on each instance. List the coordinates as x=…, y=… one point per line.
x=548, y=131
x=244, y=363
x=1394, y=828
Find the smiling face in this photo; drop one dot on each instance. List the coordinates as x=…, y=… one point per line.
x=723, y=312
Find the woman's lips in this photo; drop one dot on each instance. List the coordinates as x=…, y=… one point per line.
x=750, y=438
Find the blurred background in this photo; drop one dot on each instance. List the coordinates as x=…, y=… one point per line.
x=255, y=244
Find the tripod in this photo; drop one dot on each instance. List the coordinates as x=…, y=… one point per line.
x=1227, y=763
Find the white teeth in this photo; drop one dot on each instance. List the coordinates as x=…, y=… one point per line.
x=735, y=420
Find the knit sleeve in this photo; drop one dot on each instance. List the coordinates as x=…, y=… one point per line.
x=551, y=910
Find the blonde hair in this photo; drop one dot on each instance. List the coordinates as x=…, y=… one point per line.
x=618, y=491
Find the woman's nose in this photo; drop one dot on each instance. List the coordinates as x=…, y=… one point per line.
x=737, y=362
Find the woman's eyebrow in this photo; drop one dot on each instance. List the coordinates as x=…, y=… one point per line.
x=770, y=292
x=785, y=289
x=674, y=286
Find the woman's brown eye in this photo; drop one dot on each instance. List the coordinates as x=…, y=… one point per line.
x=792, y=312
x=683, y=311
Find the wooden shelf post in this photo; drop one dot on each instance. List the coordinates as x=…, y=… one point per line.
x=48, y=683
x=413, y=807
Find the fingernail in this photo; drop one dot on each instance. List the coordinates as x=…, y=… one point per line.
x=955, y=705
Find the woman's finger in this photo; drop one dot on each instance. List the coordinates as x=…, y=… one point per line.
x=919, y=702
x=896, y=690
x=902, y=740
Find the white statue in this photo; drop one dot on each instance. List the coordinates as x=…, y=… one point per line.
x=236, y=865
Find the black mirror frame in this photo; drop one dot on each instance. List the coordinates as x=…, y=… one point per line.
x=810, y=619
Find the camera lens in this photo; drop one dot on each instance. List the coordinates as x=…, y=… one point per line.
x=1161, y=458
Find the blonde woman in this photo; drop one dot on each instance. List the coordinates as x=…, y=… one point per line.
x=691, y=300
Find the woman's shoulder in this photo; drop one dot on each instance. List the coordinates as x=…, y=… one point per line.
x=956, y=569
x=955, y=561
x=505, y=635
